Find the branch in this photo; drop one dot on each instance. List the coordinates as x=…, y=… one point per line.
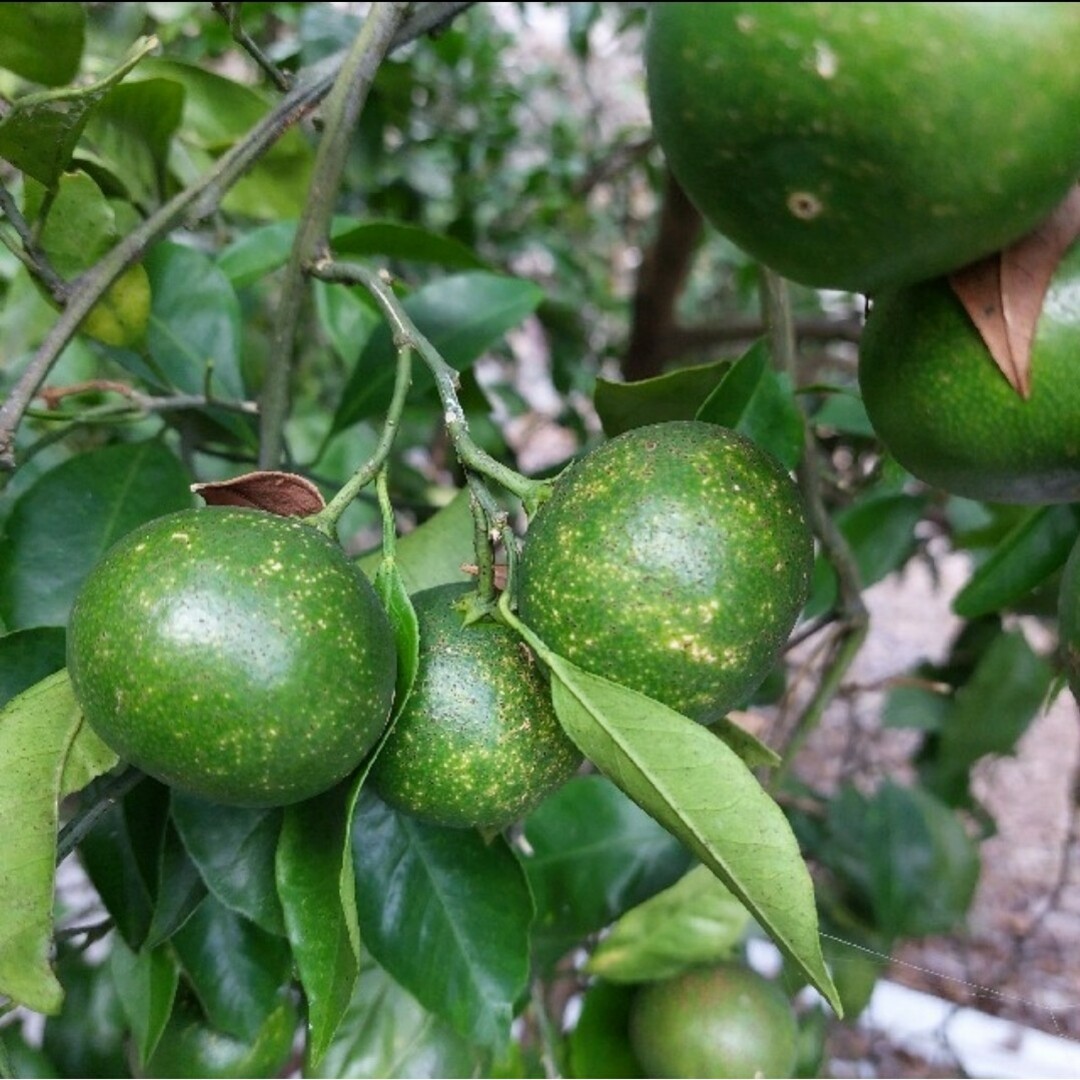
x=197, y=201
x=342, y=110
x=231, y=14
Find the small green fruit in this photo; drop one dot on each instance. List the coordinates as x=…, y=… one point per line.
x=673, y=559
x=943, y=409
x=865, y=146
x=233, y=654
x=477, y=743
x=722, y=1021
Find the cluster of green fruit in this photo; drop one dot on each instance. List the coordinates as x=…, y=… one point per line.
x=241, y=656
x=880, y=148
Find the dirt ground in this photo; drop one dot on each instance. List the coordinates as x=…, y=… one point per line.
x=1019, y=955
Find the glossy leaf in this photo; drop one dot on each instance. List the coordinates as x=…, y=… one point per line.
x=599, y=1045
x=27, y=656
x=234, y=849
x=773, y=419
x=180, y=889
x=1032, y=551
x=701, y=791
x=727, y=403
x=677, y=395
x=42, y=42
x=386, y=1032
x=446, y=914
x=236, y=969
x=37, y=730
x=146, y=983
x=390, y=585
x=404, y=242
x=591, y=855
x=347, y=318
x=315, y=883
x=462, y=316
x=99, y=495
x=695, y=922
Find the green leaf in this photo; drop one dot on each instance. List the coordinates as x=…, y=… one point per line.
x=317, y=891
x=467, y=902
x=1032, y=550
x=989, y=714
x=256, y=253
x=390, y=585
x=42, y=42
x=700, y=790
x=694, y=922
x=405, y=242
x=773, y=419
x=386, y=1032
x=195, y=327
x=923, y=866
x=678, y=395
x=843, y=411
x=728, y=401
x=433, y=553
x=37, y=730
x=236, y=969
x=99, y=496
x=592, y=854
x=146, y=983
x=747, y=745
x=27, y=656
x=346, y=317
x=916, y=707
x=599, y=1045
x=180, y=889
x=234, y=849
x=462, y=316
x=80, y=226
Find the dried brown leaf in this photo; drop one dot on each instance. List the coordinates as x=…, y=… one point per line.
x=1004, y=293
x=281, y=493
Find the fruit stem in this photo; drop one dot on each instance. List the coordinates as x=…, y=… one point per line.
x=484, y=532
x=327, y=518
x=531, y=492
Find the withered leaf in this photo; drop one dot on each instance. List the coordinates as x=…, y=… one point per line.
x=281, y=493
x=1003, y=293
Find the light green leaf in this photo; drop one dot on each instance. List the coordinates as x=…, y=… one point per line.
x=700, y=790
x=696, y=921
x=37, y=730
x=747, y=745
x=390, y=585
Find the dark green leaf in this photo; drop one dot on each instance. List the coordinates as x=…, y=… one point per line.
x=701, y=791
x=234, y=849
x=236, y=969
x=923, y=867
x=462, y=316
x=675, y=396
x=916, y=707
x=37, y=729
x=1032, y=551
x=317, y=890
x=990, y=712
x=42, y=42
x=773, y=419
x=845, y=413
x=256, y=253
x=99, y=496
x=390, y=586
x=467, y=902
x=347, y=319
x=23, y=1059
x=593, y=854
x=409, y=243
x=180, y=890
x=27, y=656
x=388, y=1033
x=39, y=135
x=600, y=1042
x=728, y=401
x=146, y=984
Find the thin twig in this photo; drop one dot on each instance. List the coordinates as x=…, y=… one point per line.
x=27, y=250
x=103, y=798
x=231, y=14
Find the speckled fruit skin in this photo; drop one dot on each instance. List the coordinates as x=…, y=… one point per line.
x=868, y=145
x=722, y=1021
x=478, y=743
x=943, y=409
x=1069, y=620
x=233, y=654
x=673, y=559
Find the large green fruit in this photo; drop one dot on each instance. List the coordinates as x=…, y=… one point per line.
x=720, y=1021
x=234, y=654
x=478, y=743
x=948, y=415
x=189, y=1047
x=1069, y=620
x=868, y=145
x=673, y=559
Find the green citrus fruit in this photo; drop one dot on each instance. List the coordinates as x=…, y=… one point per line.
x=719, y=1021
x=673, y=559
x=477, y=743
x=868, y=145
x=233, y=654
x=190, y=1047
x=947, y=414
x=1069, y=620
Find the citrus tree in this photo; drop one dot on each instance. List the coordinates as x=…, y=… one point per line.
x=350, y=729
